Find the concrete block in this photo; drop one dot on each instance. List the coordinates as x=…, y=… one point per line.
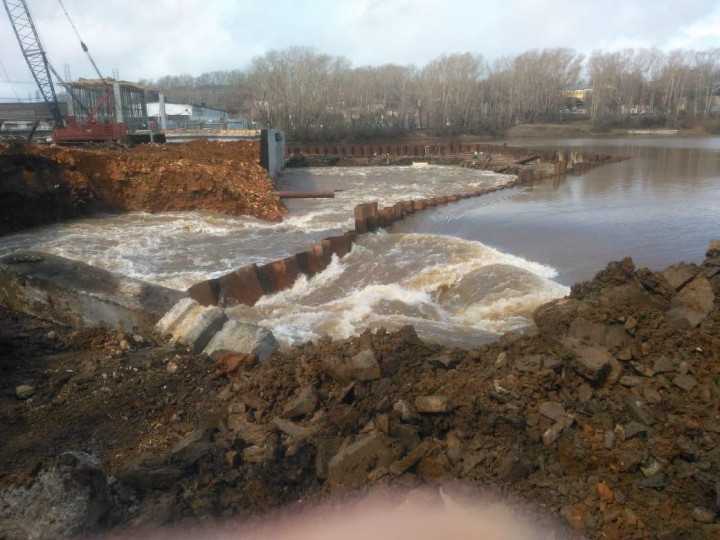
x=198, y=326
x=242, y=337
x=76, y=294
x=170, y=320
x=240, y=287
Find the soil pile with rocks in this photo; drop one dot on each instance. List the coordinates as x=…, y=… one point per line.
x=606, y=417
x=43, y=184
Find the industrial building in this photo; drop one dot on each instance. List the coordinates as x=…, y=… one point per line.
x=106, y=101
x=101, y=102
x=189, y=115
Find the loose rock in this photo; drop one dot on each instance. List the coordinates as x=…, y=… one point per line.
x=432, y=404
x=685, y=382
x=361, y=367
x=24, y=391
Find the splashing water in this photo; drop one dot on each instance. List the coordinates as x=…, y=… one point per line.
x=452, y=290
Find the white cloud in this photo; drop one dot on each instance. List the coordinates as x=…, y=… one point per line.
x=150, y=39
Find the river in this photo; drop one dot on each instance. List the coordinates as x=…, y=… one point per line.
x=461, y=274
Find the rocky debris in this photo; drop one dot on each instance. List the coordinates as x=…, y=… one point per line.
x=243, y=337
x=52, y=183
x=432, y=404
x=65, y=500
x=713, y=248
x=556, y=315
x=590, y=362
x=350, y=467
x=24, y=391
x=553, y=410
x=362, y=366
x=606, y=415
x=679, y=275
x=207, y=329
x=167, y=324
x=693, y=303
x=703, y=515
x=294, y=430
x=198, y=326
x=405, y=410
x=553, y=432
x=685, y=382
x=446, y=360
x=664, y=365
x=303, y=404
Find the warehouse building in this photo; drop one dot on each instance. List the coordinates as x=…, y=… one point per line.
x=188, y=115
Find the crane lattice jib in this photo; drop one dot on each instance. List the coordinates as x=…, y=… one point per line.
x=34, y=54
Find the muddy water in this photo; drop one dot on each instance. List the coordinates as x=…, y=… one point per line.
x=453, y=290
x=660, y=206
x=178, y=249
x=461, y=274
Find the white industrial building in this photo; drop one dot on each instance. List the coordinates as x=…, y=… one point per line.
x=187, y=115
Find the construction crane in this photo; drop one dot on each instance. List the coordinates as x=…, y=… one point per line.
x=68, y=130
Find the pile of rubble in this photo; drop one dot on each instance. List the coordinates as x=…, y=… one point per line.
x=56, y=183
x=606, y=417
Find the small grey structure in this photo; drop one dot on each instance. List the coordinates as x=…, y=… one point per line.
x=272, y=151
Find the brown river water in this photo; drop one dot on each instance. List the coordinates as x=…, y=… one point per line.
x=461, y=274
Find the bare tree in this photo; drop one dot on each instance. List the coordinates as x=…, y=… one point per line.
x=310, y=94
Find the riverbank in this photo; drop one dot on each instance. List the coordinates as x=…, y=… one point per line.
x=605, y=417
x=47, y=184
x=585, y=128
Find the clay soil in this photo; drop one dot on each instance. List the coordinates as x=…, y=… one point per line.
x=44, y=184
x=606, y=417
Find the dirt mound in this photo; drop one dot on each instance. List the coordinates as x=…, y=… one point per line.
x=607, y=417
x=44, y=184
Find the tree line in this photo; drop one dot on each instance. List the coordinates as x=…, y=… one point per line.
x=314, y=95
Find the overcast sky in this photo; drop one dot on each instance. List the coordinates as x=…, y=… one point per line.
x=148, y=39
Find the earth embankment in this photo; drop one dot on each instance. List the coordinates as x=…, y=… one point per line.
x=45, y=184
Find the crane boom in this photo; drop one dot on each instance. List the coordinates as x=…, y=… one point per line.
x=34, y=54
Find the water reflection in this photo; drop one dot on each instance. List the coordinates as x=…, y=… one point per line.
x=660, y=206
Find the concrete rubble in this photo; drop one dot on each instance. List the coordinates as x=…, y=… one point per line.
x=208, y=330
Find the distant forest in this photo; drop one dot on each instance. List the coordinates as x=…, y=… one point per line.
x=312, y=95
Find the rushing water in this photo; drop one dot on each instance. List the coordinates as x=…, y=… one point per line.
x=178, y=249
x=461, y=274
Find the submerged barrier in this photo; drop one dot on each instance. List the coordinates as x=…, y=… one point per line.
x=248, y=284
